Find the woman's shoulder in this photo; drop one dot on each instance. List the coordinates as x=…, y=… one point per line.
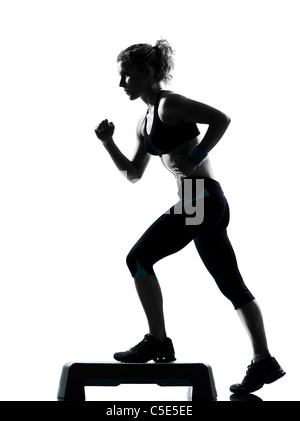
x=171, y=98
x=169, y=102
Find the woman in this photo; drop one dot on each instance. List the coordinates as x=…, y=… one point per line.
x=170, y=131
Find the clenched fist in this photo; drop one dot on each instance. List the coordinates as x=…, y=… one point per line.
x=105, y=130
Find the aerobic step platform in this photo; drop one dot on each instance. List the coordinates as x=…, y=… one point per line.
x=76, y=375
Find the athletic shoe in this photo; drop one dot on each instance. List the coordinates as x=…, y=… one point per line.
x=148, y=349
x=259, y=373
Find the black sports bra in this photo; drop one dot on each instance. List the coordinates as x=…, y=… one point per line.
x=164, y=138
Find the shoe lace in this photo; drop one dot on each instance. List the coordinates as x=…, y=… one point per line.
x=250, y=367
x=141, y=345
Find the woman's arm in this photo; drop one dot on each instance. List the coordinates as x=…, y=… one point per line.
x=184, y=109
x=134, y=169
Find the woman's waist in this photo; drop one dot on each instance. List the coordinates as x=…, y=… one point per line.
x=203, y=170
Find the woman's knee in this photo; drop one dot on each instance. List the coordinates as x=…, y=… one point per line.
x=138, y=265
x=239, y=295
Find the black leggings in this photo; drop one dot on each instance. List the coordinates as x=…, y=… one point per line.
x=170, y=233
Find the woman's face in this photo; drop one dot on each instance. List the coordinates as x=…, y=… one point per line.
x=132, y=80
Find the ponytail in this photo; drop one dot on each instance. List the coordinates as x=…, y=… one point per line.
x=165, y=61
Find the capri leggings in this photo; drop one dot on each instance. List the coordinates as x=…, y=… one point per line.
x=170, y=233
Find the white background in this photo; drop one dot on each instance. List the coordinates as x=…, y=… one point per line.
x=68, y=218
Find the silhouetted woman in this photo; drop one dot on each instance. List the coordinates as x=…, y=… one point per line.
x=169, y=130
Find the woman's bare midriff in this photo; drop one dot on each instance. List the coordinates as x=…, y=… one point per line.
x=203, y=170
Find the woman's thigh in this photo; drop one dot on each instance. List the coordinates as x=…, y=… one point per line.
x=170, y=233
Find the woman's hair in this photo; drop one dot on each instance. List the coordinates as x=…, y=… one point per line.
x=160, y=57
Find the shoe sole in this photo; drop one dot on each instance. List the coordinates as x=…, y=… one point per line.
x=161, y=359
x=165, y=359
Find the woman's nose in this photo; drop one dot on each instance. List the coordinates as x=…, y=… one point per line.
x=122, y=82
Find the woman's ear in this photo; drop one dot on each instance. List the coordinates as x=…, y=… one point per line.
x=149, y=72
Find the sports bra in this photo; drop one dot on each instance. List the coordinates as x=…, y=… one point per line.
x=164, y=138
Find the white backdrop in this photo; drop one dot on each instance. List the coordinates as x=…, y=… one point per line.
x=68, y=218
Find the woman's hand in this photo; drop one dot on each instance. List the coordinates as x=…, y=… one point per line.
x=105, y=131
x=183, y=165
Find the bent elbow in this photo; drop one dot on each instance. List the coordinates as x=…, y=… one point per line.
x=135, y=179
x=226, y=120
x=222, y=121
